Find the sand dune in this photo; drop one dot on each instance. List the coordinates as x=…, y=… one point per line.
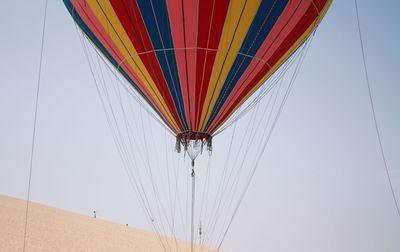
x=52, y=229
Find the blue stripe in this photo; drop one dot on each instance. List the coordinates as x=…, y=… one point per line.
x=104, y=51
x=161, y=41
x=255, y=37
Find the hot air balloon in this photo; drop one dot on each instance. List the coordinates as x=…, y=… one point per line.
x=195, y=62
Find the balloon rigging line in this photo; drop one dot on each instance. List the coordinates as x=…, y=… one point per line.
x=124, y=157
x=229, y=196
x=177, y=198
x=262, y=150
x=204, y=198
x=236, y=180
x=150, y=172
x=251, y=173
x=210, y=222
x=128, y=126
x=218, y=194
x=225, y=167
x=225, y=181
x=130, y=135
x=172, y=205
x=148, y=164
x=371, y=101
x=155, y=191
x=186, y=209
x=233, y=187
x=164, y=211
x=181, y=200
x=226, y=160
x=32, y=153
x=129, y=132
x=193, y=175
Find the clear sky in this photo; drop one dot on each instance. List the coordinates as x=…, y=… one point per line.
x=321, y=185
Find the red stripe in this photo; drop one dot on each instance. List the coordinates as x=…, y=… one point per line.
x=212, y=16
x=191, y=16
x=184, y=37
x=131, y=19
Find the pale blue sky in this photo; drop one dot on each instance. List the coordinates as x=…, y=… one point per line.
x=321, y=186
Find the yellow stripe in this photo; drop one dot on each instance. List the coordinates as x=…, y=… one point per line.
x=122, y=41
x=224, y=58
x=295, y=46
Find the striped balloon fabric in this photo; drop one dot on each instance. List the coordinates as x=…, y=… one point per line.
x=196, y=61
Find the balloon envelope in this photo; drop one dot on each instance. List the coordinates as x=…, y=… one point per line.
x=196, y=61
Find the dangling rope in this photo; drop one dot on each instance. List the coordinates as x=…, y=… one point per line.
x=374, y=113
x=34, y=126
x=193, y=201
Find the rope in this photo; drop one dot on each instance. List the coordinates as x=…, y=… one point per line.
x=121, y=145
x=193, y=205
x=265, y=136
x=34, y=125
x=374, y=113
x=231, y=190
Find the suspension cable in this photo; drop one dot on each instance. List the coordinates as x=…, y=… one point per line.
x=265, y=136
x=34, y=125
x=371, y=101
x=193, y=205
x=120, y=144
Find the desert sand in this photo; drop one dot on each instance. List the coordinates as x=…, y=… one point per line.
x=52, y=229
